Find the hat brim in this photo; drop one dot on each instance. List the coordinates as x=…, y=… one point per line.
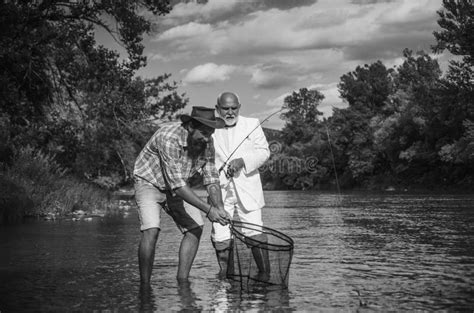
x=217, y=123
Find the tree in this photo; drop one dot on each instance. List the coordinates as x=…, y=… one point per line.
x=294, y=163
x=456, y=108
x=367, y=88
x=39, y=39
x=64, y=94
x=418, y=79
x=302, y=115
x=457, y=34
x=352, y=141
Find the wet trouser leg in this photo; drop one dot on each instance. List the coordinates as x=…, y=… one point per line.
x=225, y=257
x=260, y=255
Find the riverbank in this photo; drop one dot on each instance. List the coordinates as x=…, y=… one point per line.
x=68, y=197
x=34, y=185
x=21, y=198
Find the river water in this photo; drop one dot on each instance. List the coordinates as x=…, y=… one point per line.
x=353, y=252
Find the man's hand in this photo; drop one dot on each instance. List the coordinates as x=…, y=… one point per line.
x=217, y=215
x=235, y=166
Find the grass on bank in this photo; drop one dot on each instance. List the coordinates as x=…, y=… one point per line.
x=36, y=185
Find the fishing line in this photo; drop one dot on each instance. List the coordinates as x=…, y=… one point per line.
x=333, y=162
x=246, y=137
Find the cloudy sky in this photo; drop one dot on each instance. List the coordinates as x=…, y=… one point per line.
x=265, y=49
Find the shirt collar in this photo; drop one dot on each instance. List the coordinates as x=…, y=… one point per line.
x=183, y=136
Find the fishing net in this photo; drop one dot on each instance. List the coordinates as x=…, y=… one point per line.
x=259, y=255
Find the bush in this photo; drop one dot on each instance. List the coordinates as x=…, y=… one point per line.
x=50, y=188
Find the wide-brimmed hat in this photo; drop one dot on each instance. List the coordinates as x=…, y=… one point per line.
x=205, y=116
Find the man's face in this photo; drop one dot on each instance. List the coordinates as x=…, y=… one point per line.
x=228, y=108
x=198, y=138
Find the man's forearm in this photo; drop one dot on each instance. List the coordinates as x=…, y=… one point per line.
x=215, y=195
x=215, y=213
x=188, y=195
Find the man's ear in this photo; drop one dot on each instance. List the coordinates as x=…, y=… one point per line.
x=188, y=125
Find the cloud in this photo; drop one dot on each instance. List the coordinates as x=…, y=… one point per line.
x=191, y=29
x=208, y=73
x=409, y=25
x=331, y=99
x=278, y=101
x=269, y=79
x=326, y=24
x=271, y=75
x=269, y=47
x=274, y=121
x=156, y=57
x=259, y=5
x=211, y=11
x=365, y=2
x=214, y=11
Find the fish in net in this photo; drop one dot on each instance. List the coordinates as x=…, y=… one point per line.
x=259, y=255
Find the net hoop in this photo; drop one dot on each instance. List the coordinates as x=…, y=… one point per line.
x=287, y=244
x=259, y=255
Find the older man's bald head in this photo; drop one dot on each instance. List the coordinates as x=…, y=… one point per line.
x=222, y=98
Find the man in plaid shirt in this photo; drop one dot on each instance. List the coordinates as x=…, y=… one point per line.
x=176, y=152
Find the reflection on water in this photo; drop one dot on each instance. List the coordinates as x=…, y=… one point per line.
x=357, y=252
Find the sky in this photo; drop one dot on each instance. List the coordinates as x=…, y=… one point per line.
x=263, y=50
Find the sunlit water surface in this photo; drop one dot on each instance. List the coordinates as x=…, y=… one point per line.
x=365, y=252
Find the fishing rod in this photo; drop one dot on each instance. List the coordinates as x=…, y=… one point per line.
x=246, y=137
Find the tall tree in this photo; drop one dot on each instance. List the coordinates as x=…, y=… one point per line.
x=457, y=34
x=456, y=108
x=302, y=115
x=62, y=92
x=367, y=88
x=40, y=40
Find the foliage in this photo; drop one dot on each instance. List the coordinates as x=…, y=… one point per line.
x=64, y=94
x=407, y=125
x=50, y=188
x=301, y=114
x=367, y=88
x=457, y=34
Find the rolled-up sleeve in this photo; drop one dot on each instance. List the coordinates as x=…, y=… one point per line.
x=210, y=174
x=170, y=155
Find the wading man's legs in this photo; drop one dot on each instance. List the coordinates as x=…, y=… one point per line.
x=189, y=220
x=146, y=253
x=224, y=257
x=150, y=201
x=187, y=252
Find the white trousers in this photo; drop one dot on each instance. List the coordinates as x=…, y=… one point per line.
x=233, y=205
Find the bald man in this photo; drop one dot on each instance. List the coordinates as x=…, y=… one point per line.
x=240, y=180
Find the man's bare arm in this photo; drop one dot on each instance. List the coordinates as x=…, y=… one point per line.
x=213, y=213
x=215, y=195
x=215, y=198
x=188, y=195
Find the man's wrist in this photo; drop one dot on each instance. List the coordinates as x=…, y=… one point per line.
x=209, y=211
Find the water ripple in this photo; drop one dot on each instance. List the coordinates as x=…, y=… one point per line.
x=354, y=252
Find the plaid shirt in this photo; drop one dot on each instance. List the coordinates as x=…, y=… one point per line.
x=165, y=163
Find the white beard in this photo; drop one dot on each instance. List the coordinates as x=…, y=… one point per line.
x=230, y=121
